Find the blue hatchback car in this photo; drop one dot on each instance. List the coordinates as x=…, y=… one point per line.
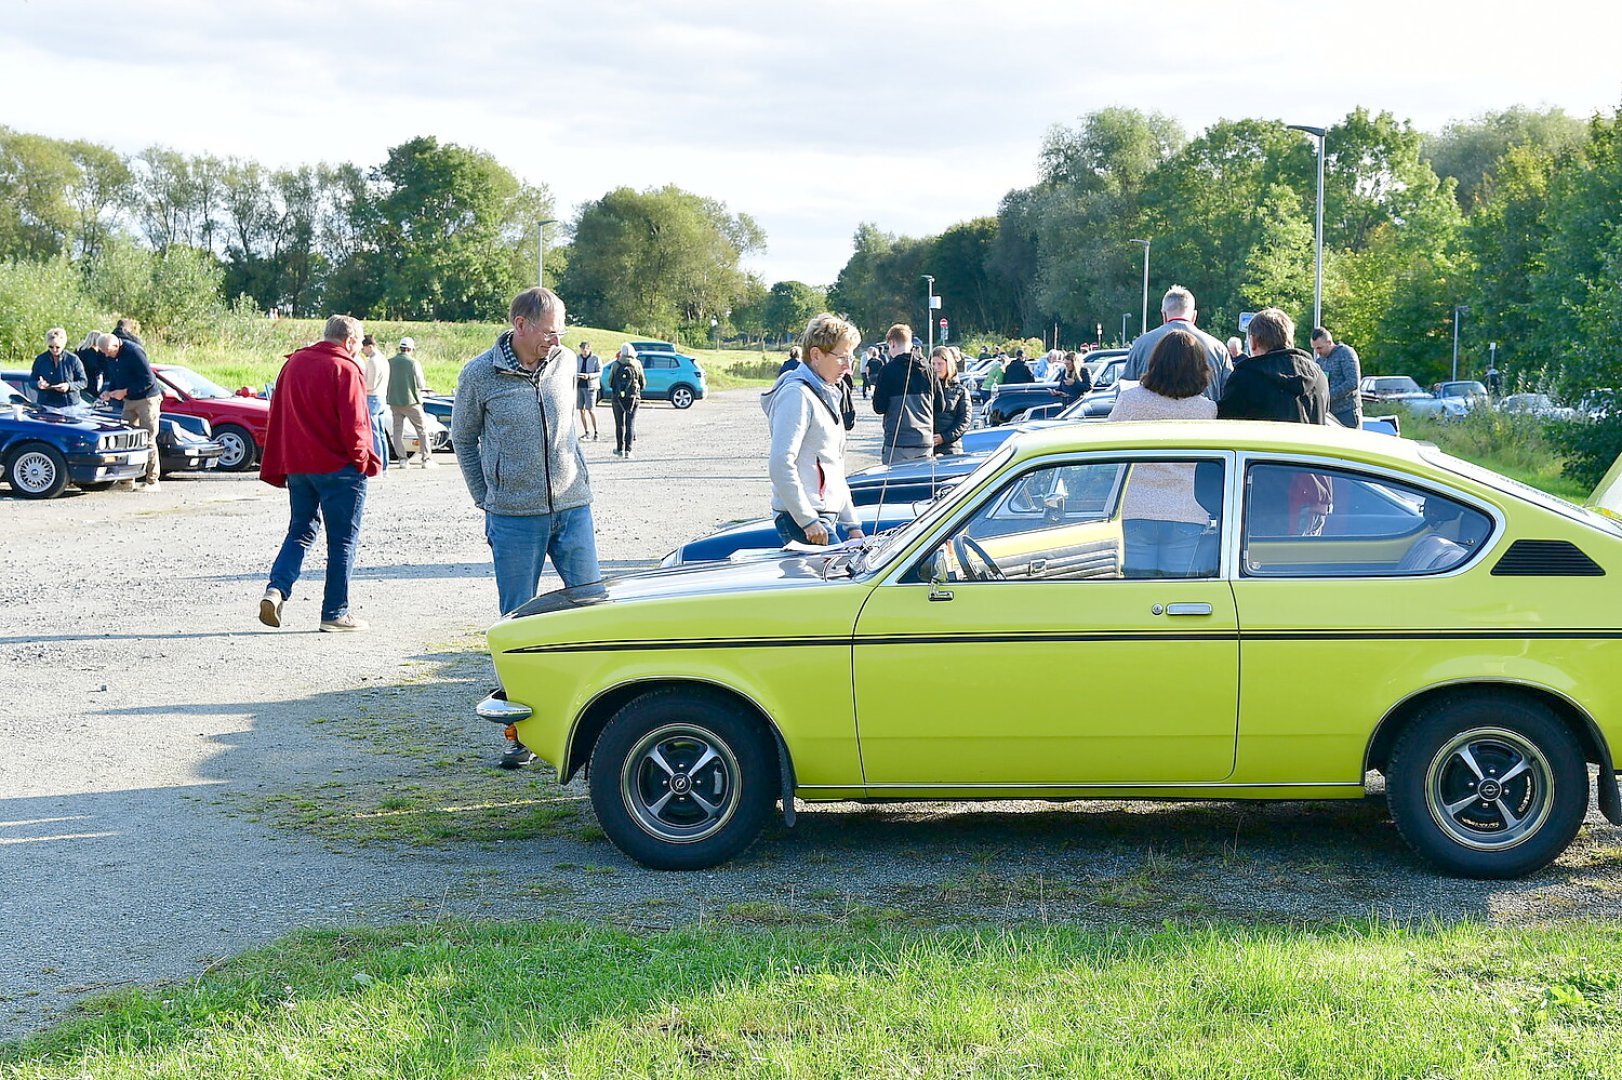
x=672, y=376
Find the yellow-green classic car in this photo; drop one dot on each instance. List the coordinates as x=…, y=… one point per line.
x=1218, y=609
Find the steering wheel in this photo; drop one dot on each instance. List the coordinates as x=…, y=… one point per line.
x=962, y=544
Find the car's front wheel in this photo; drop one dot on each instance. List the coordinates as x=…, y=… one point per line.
x=681, y=396
x=682, y=780
x=1488, y=786
x=240, y=449
x=37, y=471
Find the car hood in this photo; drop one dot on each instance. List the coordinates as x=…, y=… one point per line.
x=769, y=571
x=86, y=422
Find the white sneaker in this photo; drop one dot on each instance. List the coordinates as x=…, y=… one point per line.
x=152, y=486
x=270, y=607
x=342, y=624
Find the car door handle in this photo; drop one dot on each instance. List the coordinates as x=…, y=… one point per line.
x=1187, y=609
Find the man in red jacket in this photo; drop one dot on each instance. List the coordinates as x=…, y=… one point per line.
x=319, y=447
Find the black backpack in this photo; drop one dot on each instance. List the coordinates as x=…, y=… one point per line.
x=623, y=382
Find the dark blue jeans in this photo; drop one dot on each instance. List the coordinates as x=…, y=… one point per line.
x=789, y=530
x=339, y=498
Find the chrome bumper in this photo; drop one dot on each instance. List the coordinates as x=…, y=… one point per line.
x=498, y=710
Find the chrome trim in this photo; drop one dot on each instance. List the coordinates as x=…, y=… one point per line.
x=1159, y=785
x=501, y=711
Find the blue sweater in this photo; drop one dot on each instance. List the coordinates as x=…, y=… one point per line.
x=63, y=368
x=131, y=372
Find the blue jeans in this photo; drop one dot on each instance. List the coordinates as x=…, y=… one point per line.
x=521, y=544
x=789, y=530
x=1156, y=549
x=380, y=429
x=338, y=497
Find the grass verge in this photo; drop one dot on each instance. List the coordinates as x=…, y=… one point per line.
x=249, y=352
x=455, y=999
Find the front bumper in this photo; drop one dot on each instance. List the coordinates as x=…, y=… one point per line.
x=498, y=710
x=114, y=465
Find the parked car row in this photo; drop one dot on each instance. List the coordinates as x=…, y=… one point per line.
x=42, y=451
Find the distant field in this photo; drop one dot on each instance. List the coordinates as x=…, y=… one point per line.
x=250, y=352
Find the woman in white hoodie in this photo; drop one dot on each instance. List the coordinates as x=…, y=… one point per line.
x=807, y=461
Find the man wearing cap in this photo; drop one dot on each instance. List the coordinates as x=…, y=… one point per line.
x=406, y=388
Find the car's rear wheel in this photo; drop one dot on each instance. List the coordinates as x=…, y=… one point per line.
x=1488, y=786
x=681, y=396
x=240, y=450
x=37, y=471
x=682, y=780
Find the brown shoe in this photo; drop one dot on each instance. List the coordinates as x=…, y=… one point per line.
x=342, y=624
x=270, y=607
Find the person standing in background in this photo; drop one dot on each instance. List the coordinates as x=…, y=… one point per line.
x=626, y=381
x=952, y=419
x=1178, y=312
x=406, y=387
x=1344, y=371
x=591, y=369
x=376, y=369
x=58, y=374
x=131, y=381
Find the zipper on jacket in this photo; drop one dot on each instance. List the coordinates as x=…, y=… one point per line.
x=546, y=439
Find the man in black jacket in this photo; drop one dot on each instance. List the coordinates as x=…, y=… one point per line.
x=1276, y=381
x=1018, y=370
x=908, y=396
x=131, y=382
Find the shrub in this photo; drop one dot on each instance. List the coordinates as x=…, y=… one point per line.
x=1590, y=447
x=35, y=296
x=176, y=294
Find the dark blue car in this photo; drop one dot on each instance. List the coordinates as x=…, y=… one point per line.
x=184, y=442
x=42, y=451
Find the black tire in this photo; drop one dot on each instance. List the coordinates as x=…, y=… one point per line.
x=37, y=471
x=682, y=396
x=1453, y=751
x=650, y=797
x=241, y=452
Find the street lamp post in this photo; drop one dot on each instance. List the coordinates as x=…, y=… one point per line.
x=540, y=250
x=1143, y=326
x=715, y=328
x=1318, y=242
x=1125, y=315
x=1458, y=310
x=929, y=311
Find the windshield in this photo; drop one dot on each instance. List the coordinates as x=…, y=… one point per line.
x=1535, y=496
x=1401, y=385
x=892, y=544
x=192, y=384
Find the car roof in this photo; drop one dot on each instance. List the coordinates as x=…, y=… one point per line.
x=1258, y=435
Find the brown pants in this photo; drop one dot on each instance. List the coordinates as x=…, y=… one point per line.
x=143, y=414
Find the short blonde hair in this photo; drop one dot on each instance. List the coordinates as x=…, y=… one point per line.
x=56, y=333
x=828, y=332
x=340, y=328
x=900, y=334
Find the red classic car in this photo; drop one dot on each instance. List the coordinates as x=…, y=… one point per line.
x=239, y=423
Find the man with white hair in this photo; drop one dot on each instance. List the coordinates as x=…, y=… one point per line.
x=1177, y=309
x=58, y=374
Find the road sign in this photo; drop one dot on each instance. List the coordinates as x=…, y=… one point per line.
x=1244, y=320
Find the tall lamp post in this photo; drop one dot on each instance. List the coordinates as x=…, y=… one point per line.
x=931, y=302
x=1318, y=243
x=1125, y=315
x=1143, y=326
x=715, y=328
x=1458, y=310
x=540, y=250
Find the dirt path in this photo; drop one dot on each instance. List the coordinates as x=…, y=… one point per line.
x=179, y=783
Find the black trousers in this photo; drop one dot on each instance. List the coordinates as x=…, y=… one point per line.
x=624, y=422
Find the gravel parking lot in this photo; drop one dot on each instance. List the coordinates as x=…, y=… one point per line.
x=179, y=783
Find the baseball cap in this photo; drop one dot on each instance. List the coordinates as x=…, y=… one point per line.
x=407, y=343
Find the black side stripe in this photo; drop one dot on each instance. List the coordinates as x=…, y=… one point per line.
x=1074, y=637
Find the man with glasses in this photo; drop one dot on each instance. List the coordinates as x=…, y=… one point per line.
x=58, y=374
x=519, y=450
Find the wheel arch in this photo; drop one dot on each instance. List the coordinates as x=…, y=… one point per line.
x=1595, y=750
x=589, y=725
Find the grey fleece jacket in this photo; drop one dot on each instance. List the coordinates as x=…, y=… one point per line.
x=807, y=459
x=514, y=433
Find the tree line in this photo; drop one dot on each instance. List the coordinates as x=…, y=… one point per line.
x=1509, y=219
x=434, y=231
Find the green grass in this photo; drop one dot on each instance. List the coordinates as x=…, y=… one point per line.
x=249, y=352
x=1513, y=445
x=836, y=1000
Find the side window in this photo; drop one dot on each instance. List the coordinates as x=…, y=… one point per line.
x=660, y=362
x=1301, y=521
x=1094, y=521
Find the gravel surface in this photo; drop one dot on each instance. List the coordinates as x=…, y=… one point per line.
x=179, y=783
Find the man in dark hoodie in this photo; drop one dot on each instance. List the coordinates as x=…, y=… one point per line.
x=1018, y=370
x=1276, y=381
x=907, y=397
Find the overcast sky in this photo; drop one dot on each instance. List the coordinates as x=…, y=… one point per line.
x=811, y=116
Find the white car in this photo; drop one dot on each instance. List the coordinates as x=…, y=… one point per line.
x=1536, y=405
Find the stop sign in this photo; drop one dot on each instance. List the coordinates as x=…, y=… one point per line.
x=943, y=324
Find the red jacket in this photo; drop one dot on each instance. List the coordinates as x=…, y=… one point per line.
x=319, y=421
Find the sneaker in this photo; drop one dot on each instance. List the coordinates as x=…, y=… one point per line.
x=270, y=607
x=517, y=756
x=342, y=624
x=618, y=452
x=124, y=485
x=428, y=462
x=151, y=485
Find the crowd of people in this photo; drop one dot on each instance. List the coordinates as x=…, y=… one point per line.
x=113, y=368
